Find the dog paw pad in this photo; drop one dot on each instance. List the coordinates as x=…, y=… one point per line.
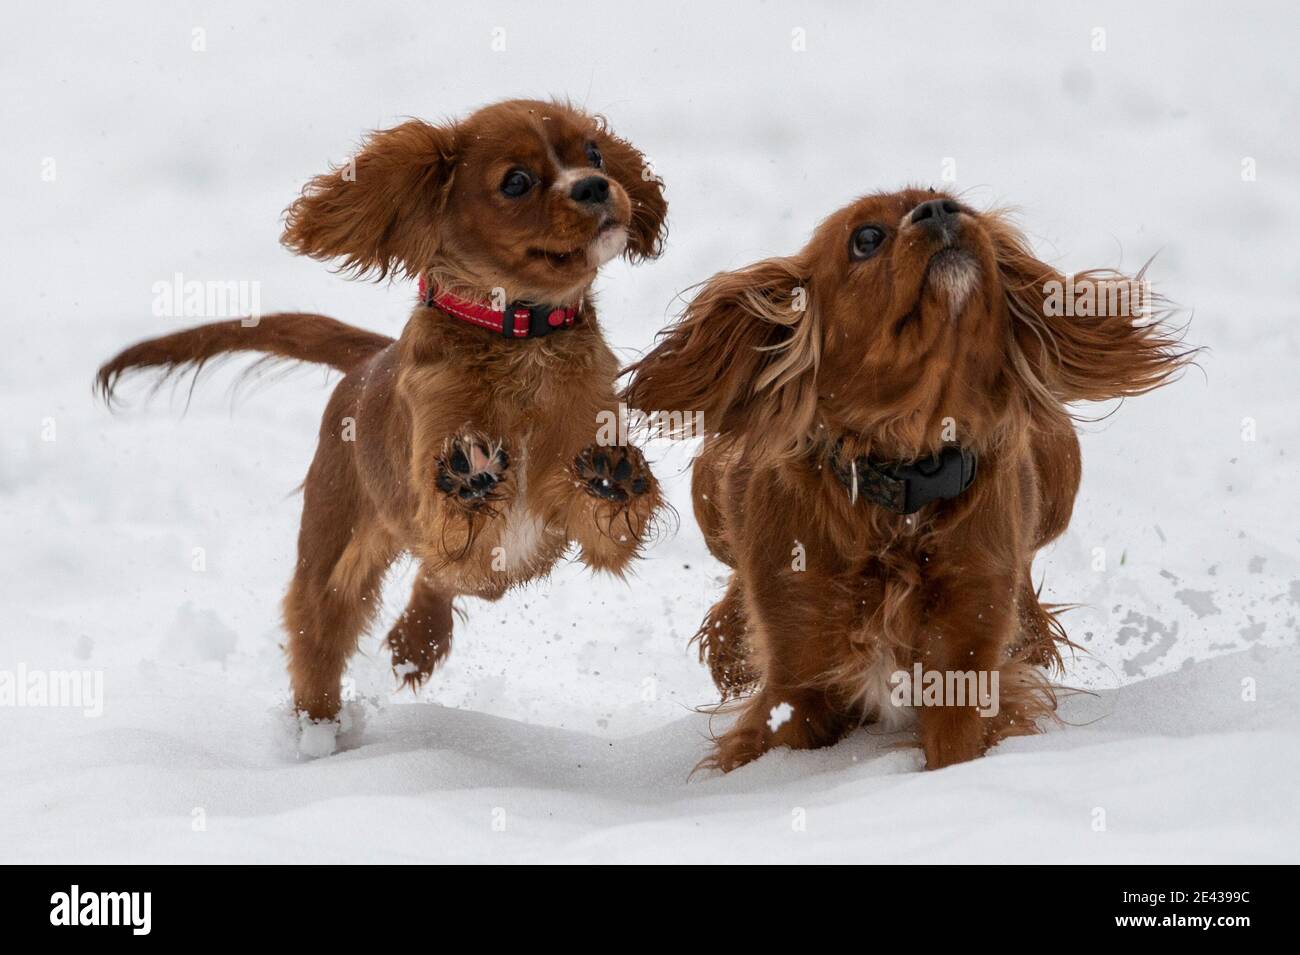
x=471, y=467
x=613, y=473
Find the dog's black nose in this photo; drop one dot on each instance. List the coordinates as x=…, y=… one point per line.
x=941, y=211
x=591, y=191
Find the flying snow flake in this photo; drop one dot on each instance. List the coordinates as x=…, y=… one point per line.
x=779, y=716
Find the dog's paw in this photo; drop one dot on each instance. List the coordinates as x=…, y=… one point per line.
x=471, y=468
x=616, y=473
x=317, y=738
x=735, y=748
x=952, y=734
x=723, y=645
x=729, y=665
x=416, y=653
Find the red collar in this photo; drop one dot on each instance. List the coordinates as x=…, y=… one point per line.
x=517, y=320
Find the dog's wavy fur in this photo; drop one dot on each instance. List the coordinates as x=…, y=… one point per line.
x=473, y=453
x=892, y=355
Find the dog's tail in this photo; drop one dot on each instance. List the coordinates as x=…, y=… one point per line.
x=298, y=336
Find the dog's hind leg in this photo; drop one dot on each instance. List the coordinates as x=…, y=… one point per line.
x=343, y=552
x=327, y=608
x=421, y=637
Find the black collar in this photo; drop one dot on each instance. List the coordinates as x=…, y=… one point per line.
x=906, y=487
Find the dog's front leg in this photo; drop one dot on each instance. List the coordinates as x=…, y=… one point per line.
x=612, y=501
x=798, y=630
x=459, y=472
x=462, y=483
x=962, y=647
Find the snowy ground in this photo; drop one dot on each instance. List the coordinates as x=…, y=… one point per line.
x=547, y=737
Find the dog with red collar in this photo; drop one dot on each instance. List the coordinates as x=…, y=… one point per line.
x=471, y=441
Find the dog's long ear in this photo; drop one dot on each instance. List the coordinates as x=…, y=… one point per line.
x=745, y=354
x=1093, y=336
x=648, y=228
x=379, y=212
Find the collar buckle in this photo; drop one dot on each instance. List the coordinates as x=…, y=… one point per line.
x=938, y=478
x=536, y=321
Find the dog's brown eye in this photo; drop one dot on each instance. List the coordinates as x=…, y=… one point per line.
x=866, y=242
x=516, y=183
x=594, y=158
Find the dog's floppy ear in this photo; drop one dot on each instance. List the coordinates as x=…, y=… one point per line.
x=745, y=354
x=648, y=228
x=380, y=211
x=1093, y=336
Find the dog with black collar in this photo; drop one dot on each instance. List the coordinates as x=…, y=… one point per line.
x=890, y=443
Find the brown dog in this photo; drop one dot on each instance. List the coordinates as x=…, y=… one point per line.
x=889, y=446
x=469, y=442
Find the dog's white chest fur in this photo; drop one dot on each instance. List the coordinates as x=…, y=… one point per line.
x=524, y=531
x=877, y=684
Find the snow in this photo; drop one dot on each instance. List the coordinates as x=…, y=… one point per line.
x=151, y=548
x=1177, y=768
x=779, y=715
x=318, y=738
